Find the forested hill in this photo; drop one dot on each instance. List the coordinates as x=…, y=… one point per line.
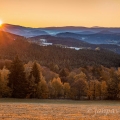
x=51, y=56
x=6, y=38
x=63, y=41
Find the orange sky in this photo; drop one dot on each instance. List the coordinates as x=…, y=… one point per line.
x=44, y=13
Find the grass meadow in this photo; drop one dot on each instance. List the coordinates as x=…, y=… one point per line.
x=40, y=109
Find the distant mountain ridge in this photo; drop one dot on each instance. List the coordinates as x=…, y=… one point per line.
x=106, y=32
x=71, y=36
x=96, y=38
x=23, y=31
x=31, y=32
x=86, y=32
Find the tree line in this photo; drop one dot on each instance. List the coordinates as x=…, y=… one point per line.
x=31, y=80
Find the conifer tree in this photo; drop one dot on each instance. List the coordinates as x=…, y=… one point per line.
x=36, y=73
x=17, y=80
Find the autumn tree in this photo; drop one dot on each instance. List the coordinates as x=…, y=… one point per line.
x=112, y=84
x=5, y=91
x=57, y=87
x=103, y=90
x=63, y=74
x=81, y=75
x=70, y=77
x=42, y=89
x=66, y=90
x=97, y=89
x=79, y=88
x=118, y=75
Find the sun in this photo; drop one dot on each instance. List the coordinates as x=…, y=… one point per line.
x=1, y=22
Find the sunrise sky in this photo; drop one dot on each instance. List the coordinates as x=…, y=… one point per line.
x=45, y=13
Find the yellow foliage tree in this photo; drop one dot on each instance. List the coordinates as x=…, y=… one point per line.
x=5, y=91
x=66, y=89
x=57, y=87
x=42, y=89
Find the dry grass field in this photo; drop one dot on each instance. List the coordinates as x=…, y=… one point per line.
x=20, y=109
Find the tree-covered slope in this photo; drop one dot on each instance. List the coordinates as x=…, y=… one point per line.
x=63, y=57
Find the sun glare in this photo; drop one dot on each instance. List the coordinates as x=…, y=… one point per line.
x=1, y=22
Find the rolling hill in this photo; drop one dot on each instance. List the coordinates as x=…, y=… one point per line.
x=70, y=42
x=103, y=37
x=7, y=38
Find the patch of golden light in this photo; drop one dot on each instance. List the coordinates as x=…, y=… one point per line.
x=1, y=22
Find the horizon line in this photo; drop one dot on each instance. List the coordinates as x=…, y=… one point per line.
x=60, y=26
